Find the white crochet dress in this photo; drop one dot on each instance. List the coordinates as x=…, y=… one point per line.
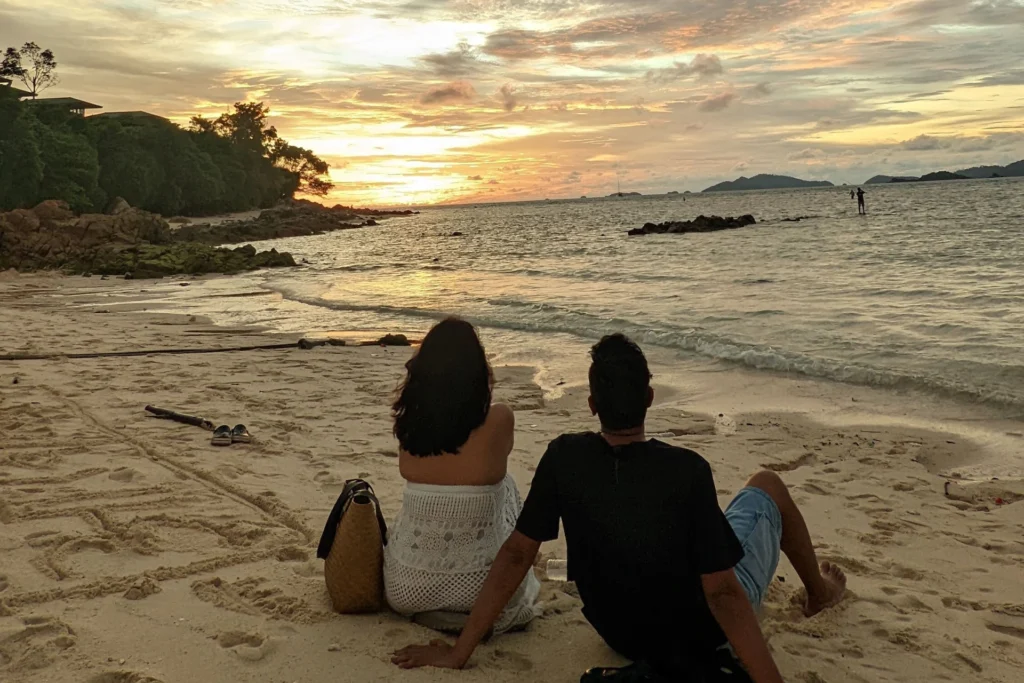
x=441, y=547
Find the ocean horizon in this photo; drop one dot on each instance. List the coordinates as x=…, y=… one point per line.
x=920, y=294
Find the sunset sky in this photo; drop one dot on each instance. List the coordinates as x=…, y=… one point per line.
x=422, y=101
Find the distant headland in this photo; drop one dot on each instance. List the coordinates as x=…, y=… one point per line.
x=765, y=181
x=1014, y=170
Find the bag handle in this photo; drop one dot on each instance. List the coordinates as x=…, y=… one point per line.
x=352, y=488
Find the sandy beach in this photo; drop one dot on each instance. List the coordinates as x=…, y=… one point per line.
x=134, y=551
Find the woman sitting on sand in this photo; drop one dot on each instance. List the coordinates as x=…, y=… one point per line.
x=460, y=504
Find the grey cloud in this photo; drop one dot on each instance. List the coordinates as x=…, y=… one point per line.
x=962, y=144
x=807, y=155
x=702, y=66
x=764, y=88
x=492, y=181
x=454, y=92
x=924, y=143
x=1010, y=77
x=461, y=61
x=717, y=102
x=604, y=37
x=507, y=95
x=514, y=44
x=475, y=177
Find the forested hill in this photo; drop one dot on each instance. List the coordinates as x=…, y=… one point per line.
x=234, y=163
x=764, y=181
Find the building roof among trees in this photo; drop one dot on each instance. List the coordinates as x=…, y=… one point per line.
x=69, y=102
x=131, y=116
x=6, y=82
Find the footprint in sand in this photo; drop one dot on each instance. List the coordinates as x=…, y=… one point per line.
x=309, y=569
x=142, y=588
x=1006, y=629
x=811, y=677
x=123, y=677
x=37, y=645
x=292, y=553
x=802, y=461
x=3, y=583
x=511, y=661
x=123, y=474
x=968, y=661
x=817, y=487
x=251, y=647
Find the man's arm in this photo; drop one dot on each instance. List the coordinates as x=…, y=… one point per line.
x=731, y=607
x=508, y=571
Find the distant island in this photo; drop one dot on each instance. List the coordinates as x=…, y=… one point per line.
x=766, y=182
x=929, y=177
x=1013, y=170
x=625, y=194
x=883, y=179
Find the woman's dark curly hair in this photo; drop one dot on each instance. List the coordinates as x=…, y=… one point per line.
x=446, y=393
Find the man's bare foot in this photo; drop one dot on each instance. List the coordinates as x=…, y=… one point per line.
x=833, y=590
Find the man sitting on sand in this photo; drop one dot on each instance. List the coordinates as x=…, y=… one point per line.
x=666, y=578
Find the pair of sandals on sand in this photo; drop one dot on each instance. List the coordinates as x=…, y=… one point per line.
x=225, y=436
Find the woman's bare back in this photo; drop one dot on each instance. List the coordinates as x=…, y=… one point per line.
x=481, y=461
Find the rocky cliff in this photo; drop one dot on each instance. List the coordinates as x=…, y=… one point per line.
x=126, y=241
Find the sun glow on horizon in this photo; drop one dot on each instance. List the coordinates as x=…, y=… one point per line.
x=487, y=100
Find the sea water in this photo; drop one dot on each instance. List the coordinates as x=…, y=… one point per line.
x=923, y=293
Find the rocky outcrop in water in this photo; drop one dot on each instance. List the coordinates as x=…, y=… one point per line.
x=129, y=242
x=294, y=219
x=379, y=213
x=698, y=224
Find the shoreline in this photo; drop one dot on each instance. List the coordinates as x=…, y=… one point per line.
x=689, y=381
x=146, y=551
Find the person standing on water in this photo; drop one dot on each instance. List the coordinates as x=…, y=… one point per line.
x=861, y=208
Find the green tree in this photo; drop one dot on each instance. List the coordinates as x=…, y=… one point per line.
x=127, y=169
x=233, y=163
x=309, y=168
x=71, y=168
x=246, y=127
x=21, y=165
x=32, y=65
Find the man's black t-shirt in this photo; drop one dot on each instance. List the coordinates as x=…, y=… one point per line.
x=642, y=524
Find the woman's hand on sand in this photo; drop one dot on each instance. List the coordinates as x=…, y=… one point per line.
x=438, y=653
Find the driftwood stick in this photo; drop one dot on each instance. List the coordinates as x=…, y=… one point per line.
x=151, y=352
x=306, y=344
x=165, y=414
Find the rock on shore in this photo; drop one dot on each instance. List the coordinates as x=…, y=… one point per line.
x=698, y=224
x=126, y=241
x=297, y=218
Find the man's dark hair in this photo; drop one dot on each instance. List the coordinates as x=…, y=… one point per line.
x=619, y=382
x=446, y=393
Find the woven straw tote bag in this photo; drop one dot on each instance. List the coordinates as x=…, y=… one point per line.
x=354, y=567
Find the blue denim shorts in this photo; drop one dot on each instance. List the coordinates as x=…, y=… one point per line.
x=757, y=523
